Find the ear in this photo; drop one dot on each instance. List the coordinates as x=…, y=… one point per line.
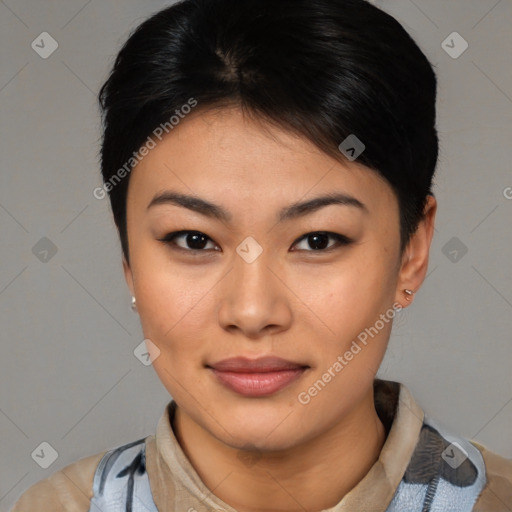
x=128, y=275
x=414, y=264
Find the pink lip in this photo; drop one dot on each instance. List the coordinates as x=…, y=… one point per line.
x=256, y=377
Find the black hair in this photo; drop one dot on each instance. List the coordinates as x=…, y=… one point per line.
x=322, y=69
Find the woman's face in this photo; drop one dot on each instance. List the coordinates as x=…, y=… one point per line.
x=255, y=285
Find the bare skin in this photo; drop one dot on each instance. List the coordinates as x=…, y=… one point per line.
x=294, y=301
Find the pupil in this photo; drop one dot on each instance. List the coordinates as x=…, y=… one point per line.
x=318, y=245
x=192, y=240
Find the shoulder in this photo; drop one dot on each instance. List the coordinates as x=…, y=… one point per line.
x=72, y=488
x=69, y=489
x=497, y=493
x=447, y=470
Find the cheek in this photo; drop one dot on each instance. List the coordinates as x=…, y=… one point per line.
x=174, y=312
x=354, y=301
x=178, y=303
x=174, y=304
x=350, y=295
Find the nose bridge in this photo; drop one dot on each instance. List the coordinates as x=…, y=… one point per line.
x=252, y=297
x=251, y=274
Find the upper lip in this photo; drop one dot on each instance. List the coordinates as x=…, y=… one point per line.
x=262, y=364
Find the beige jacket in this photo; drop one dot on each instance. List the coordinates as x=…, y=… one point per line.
x=176, y=486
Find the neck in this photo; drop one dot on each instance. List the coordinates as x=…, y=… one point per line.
x=330, y=465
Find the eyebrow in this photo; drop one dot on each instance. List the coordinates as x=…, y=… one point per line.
x=294, y=210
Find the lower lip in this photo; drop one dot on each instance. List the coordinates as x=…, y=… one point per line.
x=258, y=384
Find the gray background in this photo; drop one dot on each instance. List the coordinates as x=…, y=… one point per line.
x=68, y=375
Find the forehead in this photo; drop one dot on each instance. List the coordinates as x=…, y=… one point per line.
x=225, y=153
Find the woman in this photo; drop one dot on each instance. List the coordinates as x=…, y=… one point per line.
x=269, y=166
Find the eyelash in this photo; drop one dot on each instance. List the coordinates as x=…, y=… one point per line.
x=341, y=240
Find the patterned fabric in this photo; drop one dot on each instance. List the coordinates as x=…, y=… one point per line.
x=121, y=482
x=445, y=474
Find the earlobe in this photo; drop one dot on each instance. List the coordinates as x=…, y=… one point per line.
x=416, y=255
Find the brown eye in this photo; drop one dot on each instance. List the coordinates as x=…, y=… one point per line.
x=192, y=240
x=319, y=241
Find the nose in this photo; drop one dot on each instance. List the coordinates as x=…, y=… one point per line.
x=254, y=299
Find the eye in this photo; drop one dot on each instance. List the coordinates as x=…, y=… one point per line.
x=319, y=239
x=194, y=239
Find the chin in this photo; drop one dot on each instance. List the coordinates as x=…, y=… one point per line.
x=252, y=441
x=262, y=425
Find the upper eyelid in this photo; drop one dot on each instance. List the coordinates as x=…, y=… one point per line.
x=169, y=237
x=339, y=238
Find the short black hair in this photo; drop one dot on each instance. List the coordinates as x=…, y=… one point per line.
x=322, y=69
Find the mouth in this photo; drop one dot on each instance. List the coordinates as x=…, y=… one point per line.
x=256, y=377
